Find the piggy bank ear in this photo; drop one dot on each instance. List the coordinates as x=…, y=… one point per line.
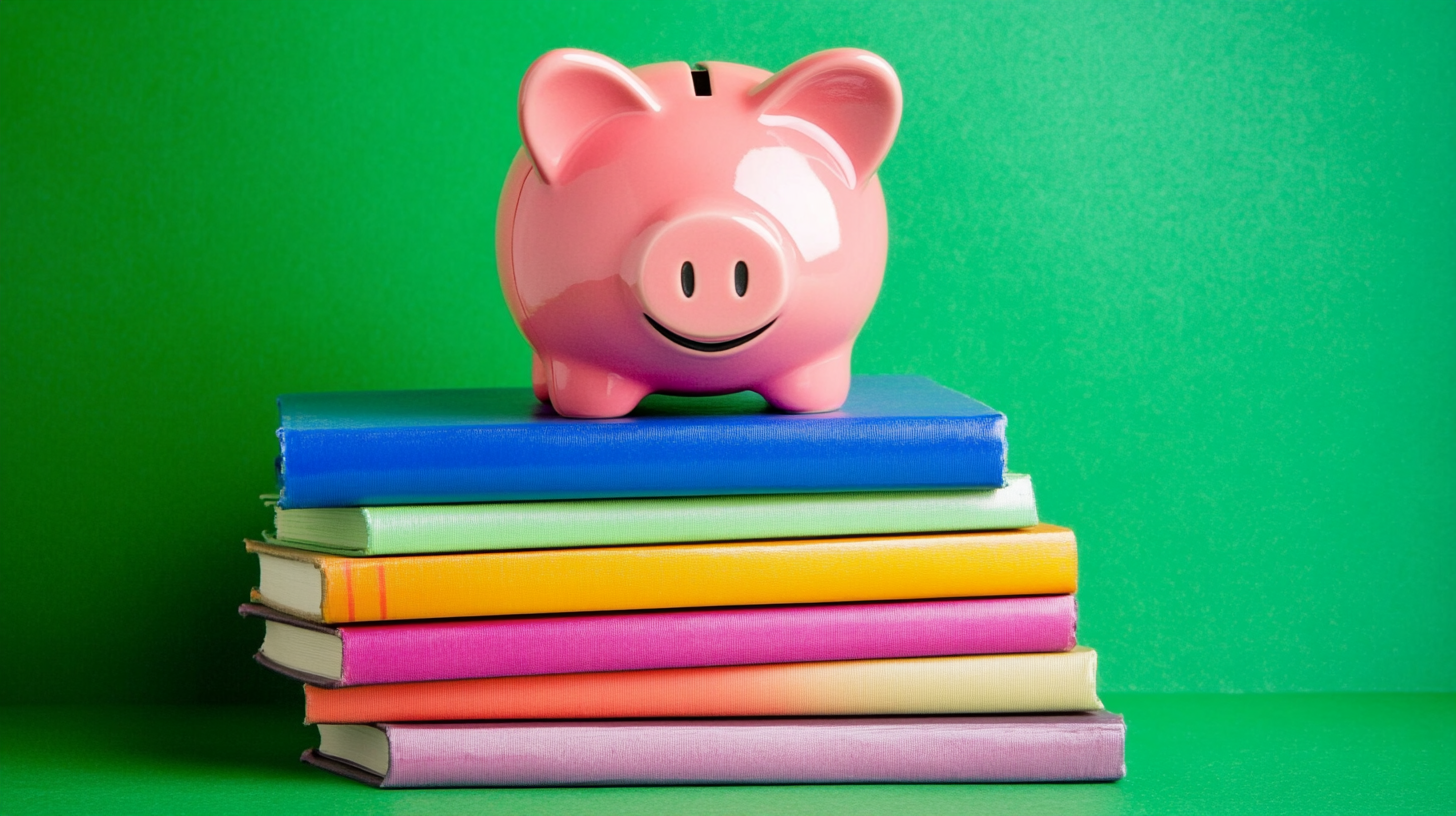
x=846, y=99
x=566, y=94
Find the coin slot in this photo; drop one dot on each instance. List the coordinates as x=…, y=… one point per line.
x=702, y=86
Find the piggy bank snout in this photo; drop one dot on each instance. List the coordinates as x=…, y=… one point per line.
x=711, y=277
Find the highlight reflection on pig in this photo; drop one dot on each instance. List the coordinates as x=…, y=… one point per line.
x=696, y=231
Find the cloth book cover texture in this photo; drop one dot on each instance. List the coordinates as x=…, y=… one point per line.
x=1056, y=681
x=1049, y=748
x=435, y=528
x=1040, y=560
x=502, y=647
x=484, y=445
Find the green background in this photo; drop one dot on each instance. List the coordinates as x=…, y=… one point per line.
x=1202, y=255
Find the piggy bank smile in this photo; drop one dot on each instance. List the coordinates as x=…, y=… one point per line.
x=696, y=230
x=699, y=345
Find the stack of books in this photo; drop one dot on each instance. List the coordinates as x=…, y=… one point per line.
x=478, y=592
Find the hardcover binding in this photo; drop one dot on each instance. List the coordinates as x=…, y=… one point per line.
x=432, y=447
x=978, y=684
x=439, y=528
x=568, y=644
x=1039, y=560
x=1048, y=748
x=347, y=770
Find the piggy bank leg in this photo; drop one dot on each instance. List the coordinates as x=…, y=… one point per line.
x=538, y=378
x=588, y=392
x=819, y=386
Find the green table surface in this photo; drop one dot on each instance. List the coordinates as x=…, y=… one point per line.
x=1187, y=753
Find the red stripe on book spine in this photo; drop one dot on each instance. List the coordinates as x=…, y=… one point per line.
x=383, y=609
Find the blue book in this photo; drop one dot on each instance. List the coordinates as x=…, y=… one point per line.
x=501, y=444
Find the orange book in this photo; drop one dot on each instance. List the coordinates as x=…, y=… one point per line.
x=976, y=684
x=1040, y=560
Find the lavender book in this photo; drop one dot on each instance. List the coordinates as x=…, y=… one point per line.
x=1085, y=747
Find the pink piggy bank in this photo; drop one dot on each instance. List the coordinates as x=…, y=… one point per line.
x=696, y=231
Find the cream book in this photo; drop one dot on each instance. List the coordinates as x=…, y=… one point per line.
x=979, y=684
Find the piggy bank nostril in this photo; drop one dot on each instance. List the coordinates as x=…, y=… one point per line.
x=689, y=280
x=740, y=278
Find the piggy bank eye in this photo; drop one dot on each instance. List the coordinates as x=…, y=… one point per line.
x=740, y=278
x=689, y=280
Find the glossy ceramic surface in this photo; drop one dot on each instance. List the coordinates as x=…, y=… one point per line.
x=696, y=232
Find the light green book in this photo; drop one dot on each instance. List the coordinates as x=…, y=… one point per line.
x=440, y=528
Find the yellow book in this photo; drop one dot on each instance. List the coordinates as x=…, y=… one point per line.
x=1040, y=560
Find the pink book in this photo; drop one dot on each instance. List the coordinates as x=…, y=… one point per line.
x=367, y=654
x=1047, y=748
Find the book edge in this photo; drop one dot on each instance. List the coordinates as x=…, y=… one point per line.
x=255, y=610
x=295, y=674
x=340, y=767
x=257, y=598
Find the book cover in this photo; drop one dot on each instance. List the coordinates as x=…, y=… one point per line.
x=1082, y=747
x=1040, y=560
x=486, y=445
x=437, y=528
x=977, y=684
x=368, y=654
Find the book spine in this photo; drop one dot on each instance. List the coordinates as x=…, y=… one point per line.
x=1055, y=748
x=419, y=529
x=1064, y=681
x=438, y=465
x=1041, y=560
x=452, y=650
